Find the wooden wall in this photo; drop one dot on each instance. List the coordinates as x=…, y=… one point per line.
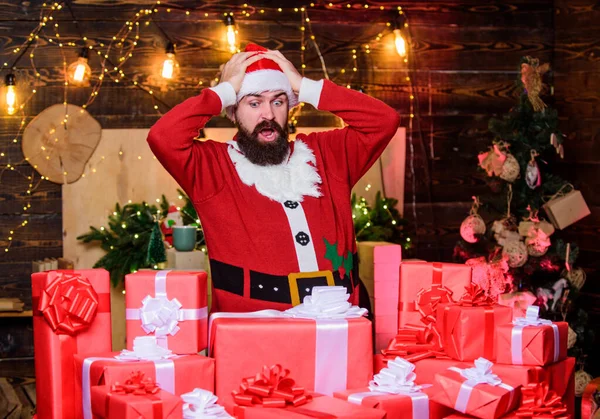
x=465, y=60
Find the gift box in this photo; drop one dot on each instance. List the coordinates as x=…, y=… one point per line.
x=531, y=340
x=561, y=378
x=539, y=401
x=170, y=305
x=123, y=402
x=567, y=209
x=589, y=405
x=323, y=407
x=468, y=328
x=475, y=391
x=176, y=375
x=71, y=315
x=424, y=285
x=327, y=355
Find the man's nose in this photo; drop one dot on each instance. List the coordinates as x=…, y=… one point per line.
x=267, y=112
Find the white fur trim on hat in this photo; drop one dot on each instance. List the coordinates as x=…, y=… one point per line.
x=261, y=81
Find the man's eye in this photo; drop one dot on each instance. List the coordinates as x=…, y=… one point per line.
x=278, y=103
x=254, y=104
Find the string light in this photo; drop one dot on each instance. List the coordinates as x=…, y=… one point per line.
x=11, y=94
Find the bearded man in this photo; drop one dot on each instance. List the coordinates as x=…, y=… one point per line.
x=276, y=214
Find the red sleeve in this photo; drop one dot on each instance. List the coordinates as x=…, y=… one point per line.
x=349, y=152
x=193, y=164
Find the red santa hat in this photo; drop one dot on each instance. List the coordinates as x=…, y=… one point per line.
x=265, y=76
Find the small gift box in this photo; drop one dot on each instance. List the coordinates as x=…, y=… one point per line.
x=170, y=305
x=71, y=315
x=170, y=372
x=567, y=209
x=538, y=401
x=531, y=340
x=475, y=391
x=394, y=391
x=272, y=393
x=137, y=397
x=331, y=347
x=468, y=327
x=202, y=404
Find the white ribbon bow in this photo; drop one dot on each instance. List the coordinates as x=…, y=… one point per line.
x=326, y=303
x=532, y=318
x=398, y=377
x=160, y=315
x=145, y=348
x=202, y=404
x=481, y=373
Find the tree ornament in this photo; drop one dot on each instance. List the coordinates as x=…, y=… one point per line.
x=557, y=145
x=582, y=379
x=531, y=76
x=492, y=161
x=571, y=338
x=490, y=276
x=516, y=252
x=510, y=169
x=576, y=277
x=473, y=225
x=532, y=172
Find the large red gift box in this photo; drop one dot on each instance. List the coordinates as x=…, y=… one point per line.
x=327, y=355
x=71, y=315
x=476, y=398
x=397, y=406
x=162, y=405
x=468, y=327
x=322, y=407
x=531, y=341
x=171, y=305
x=177, y=375
x=428, y=284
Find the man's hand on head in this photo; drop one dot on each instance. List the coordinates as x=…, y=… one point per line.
x=235, y=69
x=287, y=67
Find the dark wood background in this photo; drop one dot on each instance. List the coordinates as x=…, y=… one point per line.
x=464, y=63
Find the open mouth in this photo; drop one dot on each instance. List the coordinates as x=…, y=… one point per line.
x=267, y=135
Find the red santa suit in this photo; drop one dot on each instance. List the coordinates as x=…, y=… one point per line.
x=274, y=232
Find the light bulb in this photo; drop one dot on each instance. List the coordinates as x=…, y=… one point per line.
x=79, y=71
x=169, y=65
x=400, y=43
x=231, y=38
x=11, y=94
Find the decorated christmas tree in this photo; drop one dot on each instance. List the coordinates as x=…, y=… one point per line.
x=519, y=256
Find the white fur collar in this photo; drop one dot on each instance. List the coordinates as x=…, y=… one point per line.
x=289, y=181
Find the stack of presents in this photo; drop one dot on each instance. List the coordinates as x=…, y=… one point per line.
x=445, y=351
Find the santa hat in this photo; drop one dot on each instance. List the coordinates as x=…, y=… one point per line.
x=264, y=76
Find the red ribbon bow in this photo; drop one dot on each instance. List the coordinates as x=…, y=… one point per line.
x=427, y=300
x=271, y=388
x=538, y=401
x=474, y=296
x=414, y=343
x=136, y=385
x=69, y=304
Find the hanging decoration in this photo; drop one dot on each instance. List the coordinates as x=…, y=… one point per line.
x=510, y=169
x=170, y=65
x=531, y=77
x=231, y=33
x=533, y=177
x=557, y=145
x=516, y=252
x=492, y=161
x=11, y=94
x=79, y=72
x=473, y=226
x=490, y=276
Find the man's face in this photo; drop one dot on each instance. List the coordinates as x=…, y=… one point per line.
x=262, y=124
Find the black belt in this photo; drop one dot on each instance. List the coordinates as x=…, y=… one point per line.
x=290, y=289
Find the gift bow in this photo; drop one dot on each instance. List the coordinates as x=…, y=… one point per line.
x=69, y=304
x=481, y=373
x=271, y=388
x=532, y=318
x=326, y=303
x=145, y=348
x=475, y=296
x=427, y=300
x=538, y=401
x=414, y=343
x=398, y=377
x=136, y=385
x=202, y=404
x=160, y=315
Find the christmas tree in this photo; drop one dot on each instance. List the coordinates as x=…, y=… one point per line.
x=519, y=256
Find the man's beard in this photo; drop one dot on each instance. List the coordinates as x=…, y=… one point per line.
x=264, y=153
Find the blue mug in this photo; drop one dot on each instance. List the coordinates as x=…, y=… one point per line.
x=184, y=238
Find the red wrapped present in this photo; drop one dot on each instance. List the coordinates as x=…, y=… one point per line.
x=538, y=401
x=273, y=393
x=531, y=340
x=136, y=398
x=172, y=374
x=561, y=378
x=475, y=391
x=394, y=391
x=171, y=305
x=71, y=315
x=424, y=285
x=589, y=405
x=468, y=327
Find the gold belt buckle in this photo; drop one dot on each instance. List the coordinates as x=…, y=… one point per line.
x=293, y=281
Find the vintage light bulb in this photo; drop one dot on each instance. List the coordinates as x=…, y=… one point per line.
x=400, y=43
x=79, y=71
x=231, y=34
x=11, y=94
x=170, y=64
